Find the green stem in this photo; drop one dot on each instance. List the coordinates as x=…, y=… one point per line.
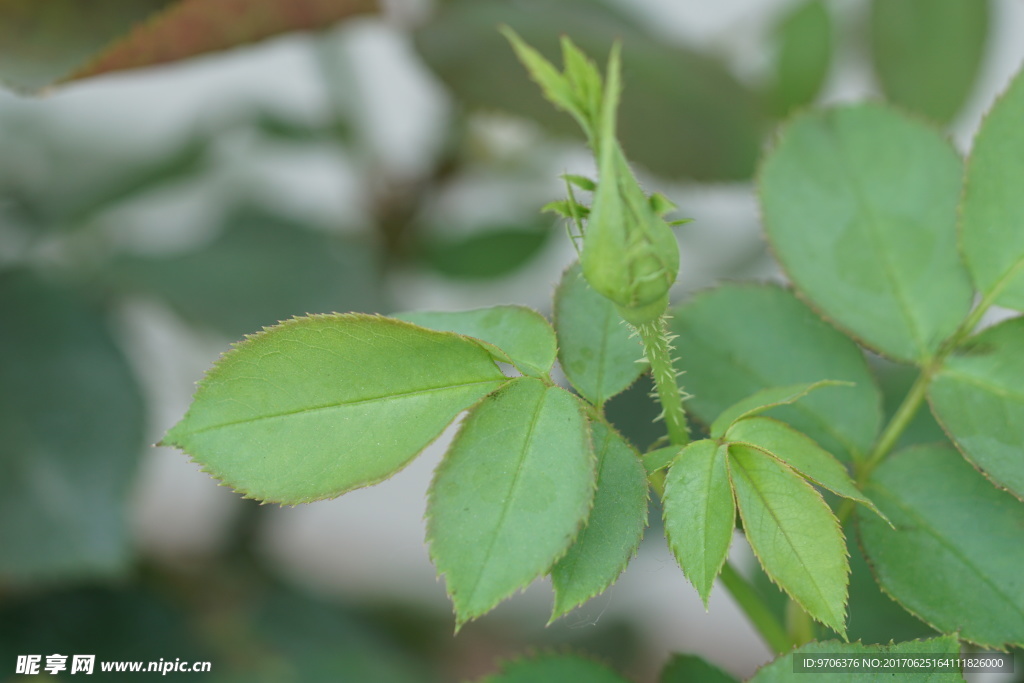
x=659, y=354
x=756, y=610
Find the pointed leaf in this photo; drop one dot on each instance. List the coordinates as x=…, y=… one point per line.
x=510, y=495
x=978, y=397
x=700, y=513
x=726, y=363
x=803, y=56
x=320, y=405
x=512, y=334
x=799, y=452
x=596, y=348
x=661, y=458
x=613, y=530
x=690, y=669
x=993, y=206
x=790, y=667
x=66, y=40
x=859, y=203
x=72, y=416
x=554, y=668
x=766, y=399
x=954, y=559
x=793, y=533
x=927, y=52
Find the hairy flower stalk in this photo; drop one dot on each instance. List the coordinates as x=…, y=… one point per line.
x=658, y=351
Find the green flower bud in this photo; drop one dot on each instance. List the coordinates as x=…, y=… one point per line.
x=630, y=254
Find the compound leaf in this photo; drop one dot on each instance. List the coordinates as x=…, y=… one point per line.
x=511, y=494
x=954, y=558
x=513, y=334
x=736, y=340
x=320, y=405
x=793, y=533
x=614, y=528
x=927, y=52
x=978, y=397
x=992, y=212
x=700, y=513
x=596, y=348
x=860, y=205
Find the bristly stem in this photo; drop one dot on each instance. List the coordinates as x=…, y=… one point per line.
x=658, y=351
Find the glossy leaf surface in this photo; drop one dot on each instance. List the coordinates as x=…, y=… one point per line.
x=700, y=513
x=860, y=205
x=993, y=208
x=725, y=363
x=596, y=348
x=511, y=494
x=927, y=52
x=954, y=559
x=613, y=530
x=978, y=396
x=320, y=405
x=71, y=416
x=793, y=533
x=513, y=334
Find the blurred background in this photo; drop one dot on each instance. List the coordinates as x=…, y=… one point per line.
x=394, y=160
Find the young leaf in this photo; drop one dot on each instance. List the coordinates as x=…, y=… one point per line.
x=512, y=334
x=660, y=458
x=613, y=530
x=799, y=452
x=789, y=667
x=927, y=52
x=320, y=405
x=764, y=400
x=510, y=495
x=691, y=669
x=805, y=44
x=859, y=203
x=67, y=40
x=700, y=513
x=736, y=340
x=993, y=206
x=596, y=349
x=978, y=397
x=72, y=418
x=554, y=668
x=793, y=533
x=955, y=557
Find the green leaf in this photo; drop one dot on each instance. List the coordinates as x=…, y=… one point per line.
x=690, y=669
x=65, y=39
x=860, y=205
x=736, y=340
x=764, y=400
x=596, y=348
x=804, y=52
x=262, y=269
x=71, y=416
x=511, y=495
x=954, y=559
x=799, y=452
x=491, y=253
x=660, y=459
x=784, y=669
x=321, y=405
x=613, y=530
x=715, y=121
x=700, y=513
x=993, y=208
x=512, y=334
x=793, y=533
x=552, y=668
x=927, y=52
x=978, y=397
